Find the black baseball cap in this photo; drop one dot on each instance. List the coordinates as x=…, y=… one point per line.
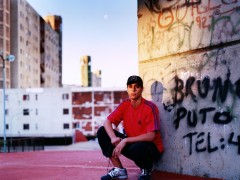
x=135, y=79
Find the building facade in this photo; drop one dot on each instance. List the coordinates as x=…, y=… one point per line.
x=35, y=43
x=5, y=42
x=56, y=23
x=50, y=56
x=25, y=45
x=58, y=112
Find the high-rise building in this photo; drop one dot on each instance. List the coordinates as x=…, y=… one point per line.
x=5, y=41
x=25, y=45
x=37, y=46
x=56, y=23
x=51, y=61
x=86, y=77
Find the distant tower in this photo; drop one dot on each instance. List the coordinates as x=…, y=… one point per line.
x=86, y=71
x=96, y=78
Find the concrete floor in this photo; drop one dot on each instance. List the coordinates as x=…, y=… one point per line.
x=76, y=162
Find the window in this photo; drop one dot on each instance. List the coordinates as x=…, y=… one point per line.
x=66, y=126
x=8, y=45
x=1, y=15
x=25, y=112
x=7, y=126
x=65, y=111
x=8, y=31
x=65, y=96
x=1, y=41
x=6, y=111
x=25, y=126
x=21, y=27
x=8, y=5
x=26, y=97
x=1, y=29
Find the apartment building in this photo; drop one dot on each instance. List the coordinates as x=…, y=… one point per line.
x=35, y=44
x=50, y=56
x=5, y=42
x=58, y=112
x=56, y=23
x=25, y=45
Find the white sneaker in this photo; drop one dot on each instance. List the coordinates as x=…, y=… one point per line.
x=116, y=173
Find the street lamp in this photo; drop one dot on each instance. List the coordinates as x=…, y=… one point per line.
x=9, y=58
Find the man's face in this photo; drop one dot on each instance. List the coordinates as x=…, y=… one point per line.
x=134, y=91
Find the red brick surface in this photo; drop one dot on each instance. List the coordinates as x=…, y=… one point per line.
x=64, y=165
x=59, y=165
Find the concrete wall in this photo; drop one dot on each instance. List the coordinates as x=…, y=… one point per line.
x=189, y=60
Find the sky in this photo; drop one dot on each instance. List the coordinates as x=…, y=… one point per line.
x=106, y=30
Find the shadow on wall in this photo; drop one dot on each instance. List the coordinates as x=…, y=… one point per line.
x=157, y=93
x=157, y=97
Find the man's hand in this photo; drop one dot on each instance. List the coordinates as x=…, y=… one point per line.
x=118, y=149
x=116, y=140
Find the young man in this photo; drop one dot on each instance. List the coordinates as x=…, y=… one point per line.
x=141, y=142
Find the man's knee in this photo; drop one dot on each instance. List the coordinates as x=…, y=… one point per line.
x=101, y=131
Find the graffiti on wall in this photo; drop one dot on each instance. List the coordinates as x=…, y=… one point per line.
x=188, y=58
x=220, y=90
x=201, y=92
x=170, y=27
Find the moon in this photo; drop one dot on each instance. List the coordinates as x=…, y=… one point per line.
x=105, y=16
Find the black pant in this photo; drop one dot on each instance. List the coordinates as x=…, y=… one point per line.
x=142, y=153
